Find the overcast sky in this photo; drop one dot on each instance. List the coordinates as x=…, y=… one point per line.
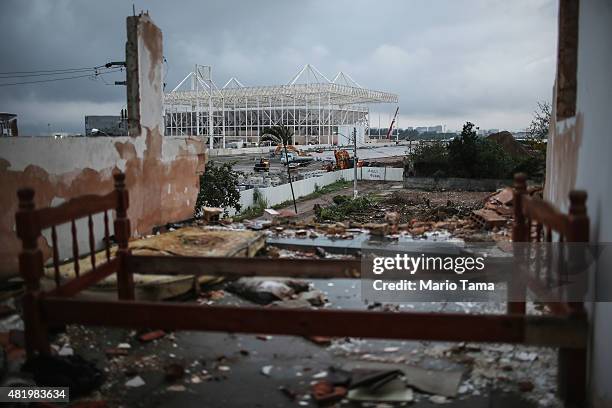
x=486, y=61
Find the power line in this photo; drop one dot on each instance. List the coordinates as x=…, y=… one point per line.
x=50, y=70
x=75, y=71
x=91, y=75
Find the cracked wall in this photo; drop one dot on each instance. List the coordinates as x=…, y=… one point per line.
x=161, y=172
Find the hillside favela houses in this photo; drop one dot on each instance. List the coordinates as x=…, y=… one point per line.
x=309, y=242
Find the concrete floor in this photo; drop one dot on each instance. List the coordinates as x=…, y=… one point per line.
x=295, y=360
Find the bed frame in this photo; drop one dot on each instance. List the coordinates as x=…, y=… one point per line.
x=565, y=328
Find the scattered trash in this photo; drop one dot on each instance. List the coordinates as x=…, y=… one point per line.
x=135, y=382
x=525, y=356
x=66, y=350
x=223, y=368
x=321, y=374
x=263, y=337
x=176, y=388
x=124, y=346
x=439, y=382
x=266, y=370
x=392, y=391
x=264, y=291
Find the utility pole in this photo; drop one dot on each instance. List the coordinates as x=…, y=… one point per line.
x=355, y=162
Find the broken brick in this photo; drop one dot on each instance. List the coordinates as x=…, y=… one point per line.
x=150, y=336
x=325, y=392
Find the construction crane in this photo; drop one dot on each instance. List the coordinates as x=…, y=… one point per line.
x=392, y=123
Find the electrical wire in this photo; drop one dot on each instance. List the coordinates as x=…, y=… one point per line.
x=93, y=75
x=76, y=71
x=52, y=70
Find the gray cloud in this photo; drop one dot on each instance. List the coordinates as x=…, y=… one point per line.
x=450, y=61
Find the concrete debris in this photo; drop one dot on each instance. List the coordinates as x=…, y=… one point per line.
x=439, y=382
x=525, y=356
x=438, y=399
x=66, y=350
x=488, y=219
x=135, y=382
x=392, y=391
x=176, y=388
x=211, y=215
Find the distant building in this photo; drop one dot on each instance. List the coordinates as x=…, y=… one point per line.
x=8, y=124
x=421, y=129
x=435, y=129
x=487, y=132
x=105, y=125
x=521, y=135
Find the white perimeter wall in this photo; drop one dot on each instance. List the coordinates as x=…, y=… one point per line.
x=279, y=194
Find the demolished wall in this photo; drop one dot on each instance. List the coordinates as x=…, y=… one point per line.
x=161, y=172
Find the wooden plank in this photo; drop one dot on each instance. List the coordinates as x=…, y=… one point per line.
x=307, y=322
x=85, y=280
x=234, y=267
x=75, y=208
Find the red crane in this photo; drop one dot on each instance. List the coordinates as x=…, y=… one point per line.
x=392, y=123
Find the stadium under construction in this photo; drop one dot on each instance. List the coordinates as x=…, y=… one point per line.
x=318, y=110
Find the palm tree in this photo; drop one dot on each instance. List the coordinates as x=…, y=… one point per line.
x=281, y=135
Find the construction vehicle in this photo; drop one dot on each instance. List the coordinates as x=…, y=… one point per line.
x=344, y=160
x=295, y=158
x=262, y=165
x=390, y=131
x=290, y=149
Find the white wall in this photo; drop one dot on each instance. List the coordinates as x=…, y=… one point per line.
x=594, y=173
x=279, y=194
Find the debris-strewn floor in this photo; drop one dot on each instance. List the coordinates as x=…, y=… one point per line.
x=225, y=370
x=154, y=368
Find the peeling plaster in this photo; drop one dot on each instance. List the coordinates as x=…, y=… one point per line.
x=562, y=159
x=64, y=168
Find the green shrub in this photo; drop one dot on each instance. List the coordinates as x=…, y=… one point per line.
x=345, y=206
x=429, y=159
x=218, y=188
